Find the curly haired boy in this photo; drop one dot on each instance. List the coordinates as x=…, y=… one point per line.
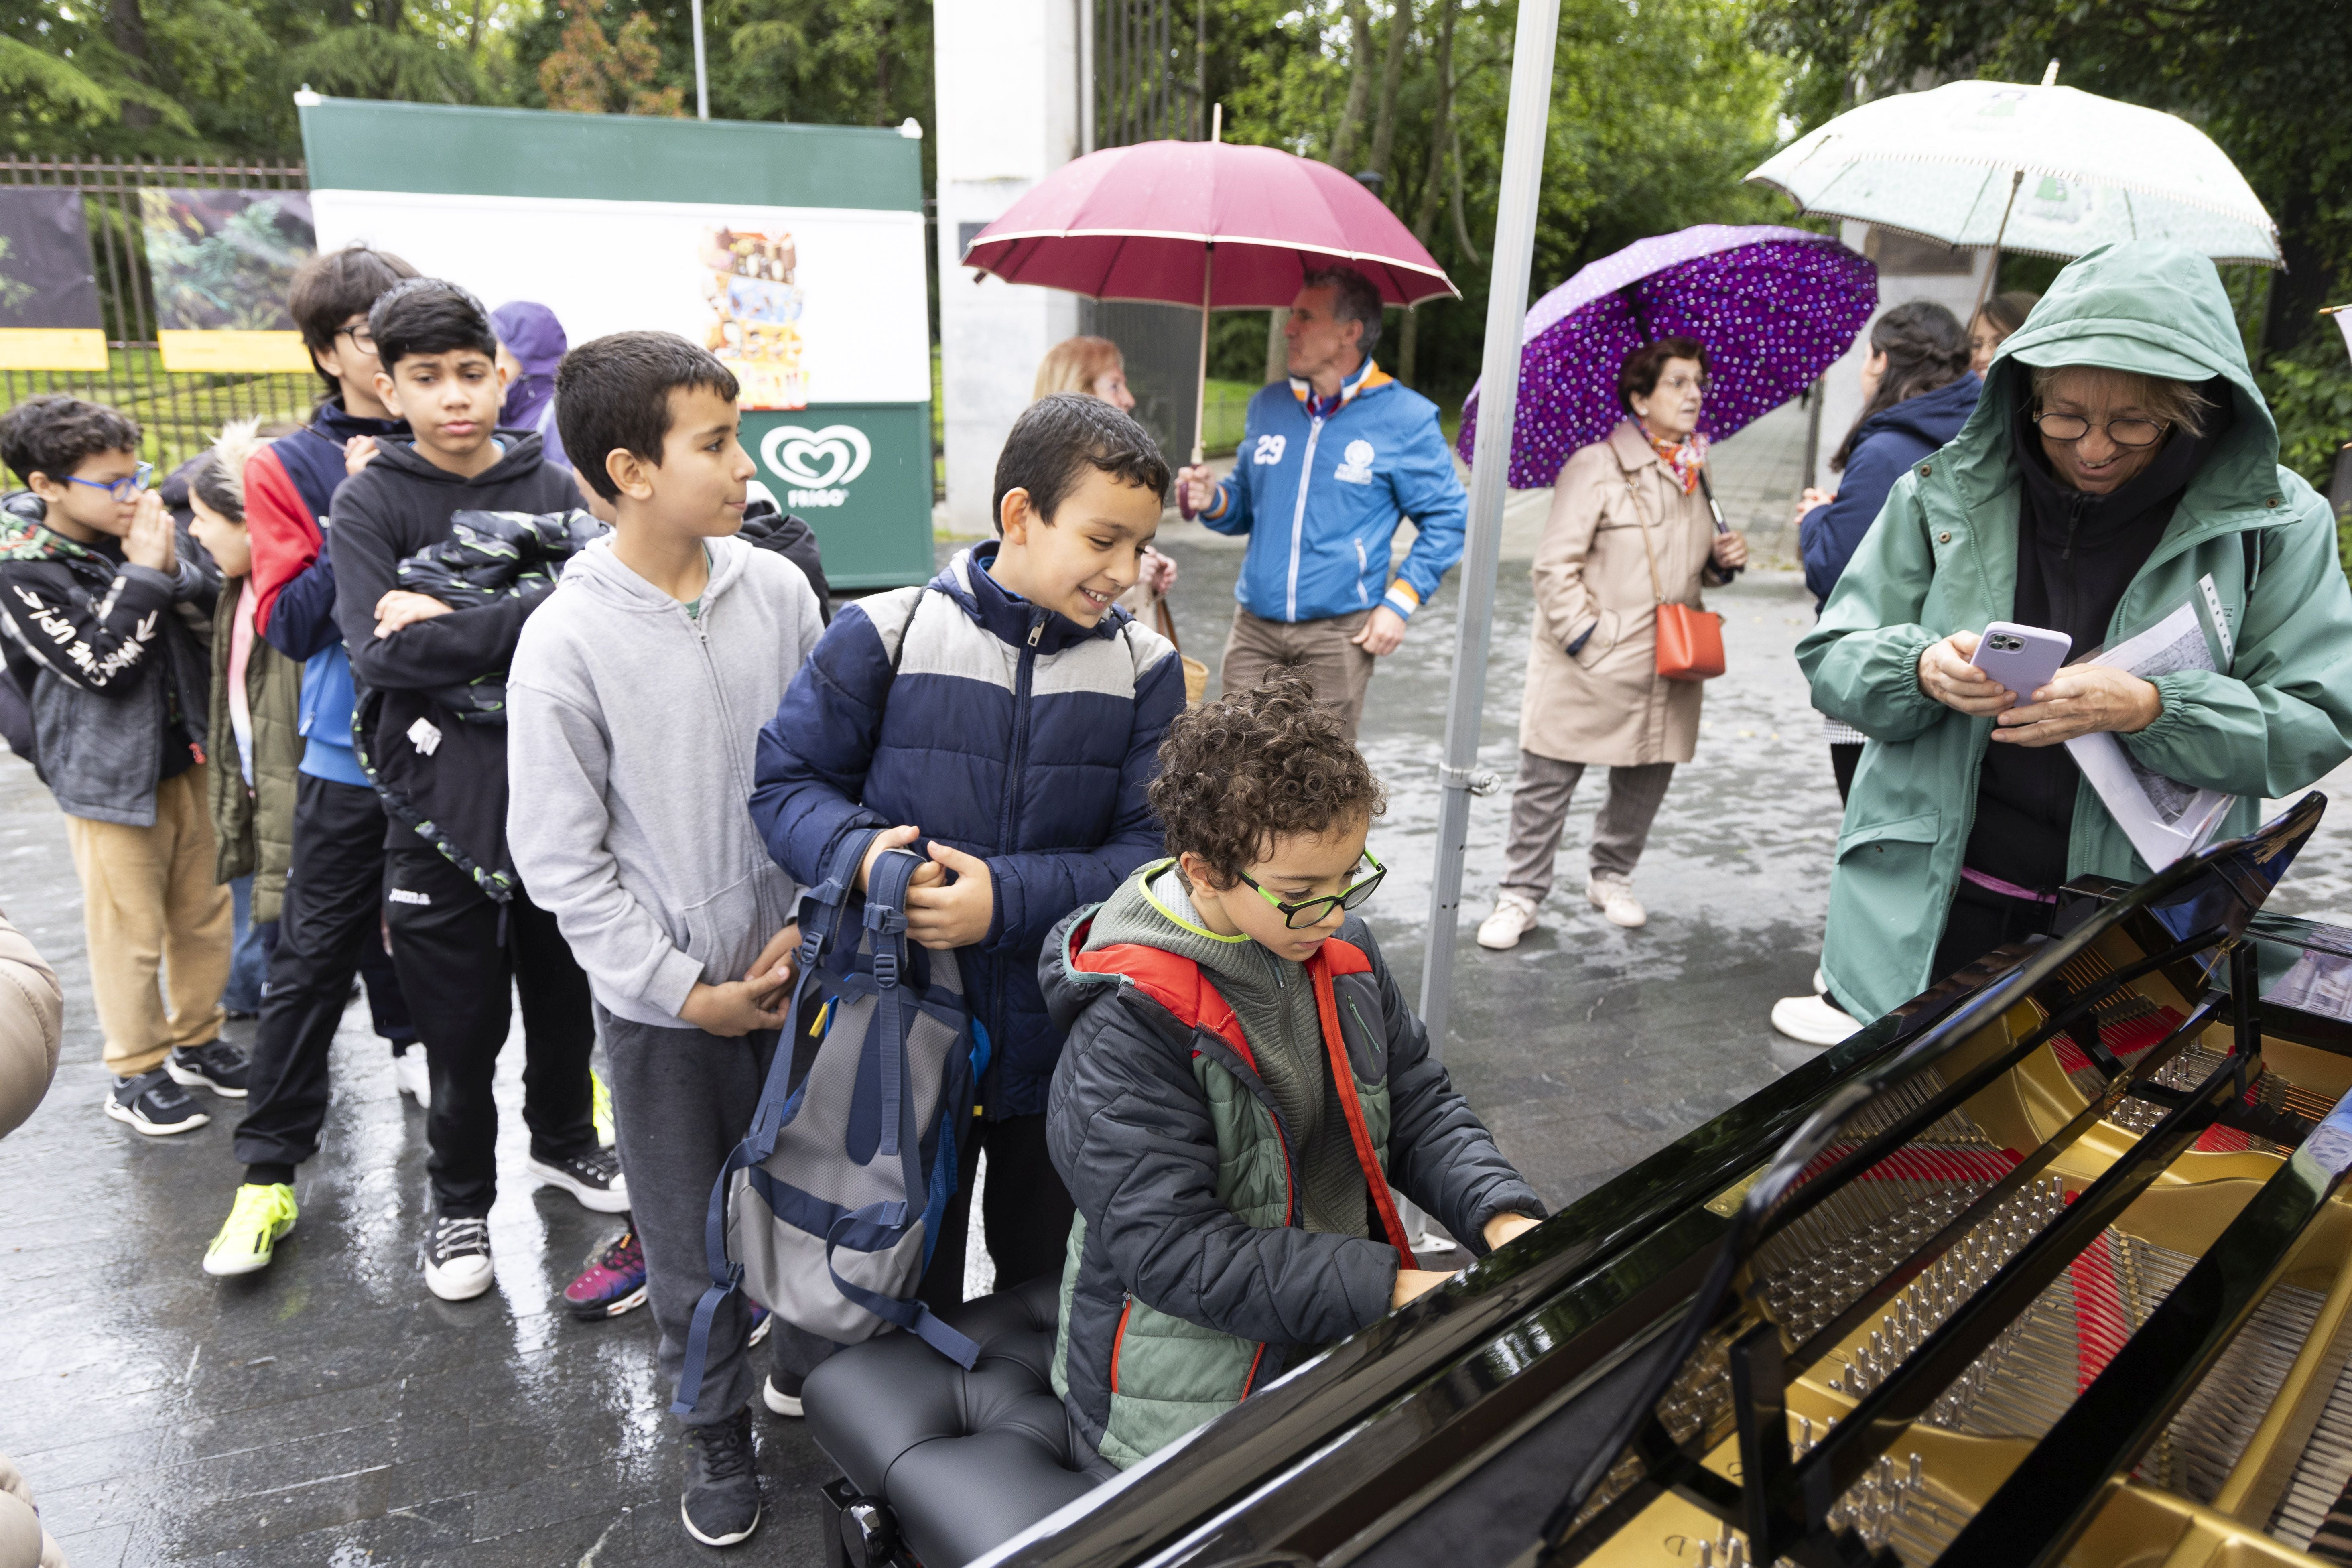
x=1243, y=1084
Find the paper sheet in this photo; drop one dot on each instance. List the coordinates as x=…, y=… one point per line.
x=2164, y=818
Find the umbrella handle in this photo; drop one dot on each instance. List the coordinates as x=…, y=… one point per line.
x=1984, y=289
x=1201, y=386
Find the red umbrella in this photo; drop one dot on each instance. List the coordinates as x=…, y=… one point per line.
x=1229, y=226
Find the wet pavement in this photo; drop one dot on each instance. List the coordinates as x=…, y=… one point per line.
x=330, y=1412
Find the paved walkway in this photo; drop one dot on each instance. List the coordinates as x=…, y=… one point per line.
x=332, y=1412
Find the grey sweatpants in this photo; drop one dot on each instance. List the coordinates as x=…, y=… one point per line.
x=682, y=1099
x=1539, y=810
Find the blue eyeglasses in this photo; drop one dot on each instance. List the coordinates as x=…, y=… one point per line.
x=120, y=489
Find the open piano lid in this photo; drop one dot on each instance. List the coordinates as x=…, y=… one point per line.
x=2045, y=1266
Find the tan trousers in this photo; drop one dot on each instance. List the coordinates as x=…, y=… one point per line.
x=1335, y=668
x=157, y=924
x=1539, y=810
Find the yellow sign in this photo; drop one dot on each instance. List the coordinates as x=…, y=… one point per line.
x=228, y=351
x=53, y=348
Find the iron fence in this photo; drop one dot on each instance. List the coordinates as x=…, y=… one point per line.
x=179, y=412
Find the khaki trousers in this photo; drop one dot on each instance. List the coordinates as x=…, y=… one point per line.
x=1539, y=810
x=1319, y=650
x=157, y=924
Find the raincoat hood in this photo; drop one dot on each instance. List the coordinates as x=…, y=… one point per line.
x=2158, y=309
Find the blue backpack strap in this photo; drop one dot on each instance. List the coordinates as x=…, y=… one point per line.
x=821, y=924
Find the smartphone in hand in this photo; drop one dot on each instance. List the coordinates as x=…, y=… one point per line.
x=2021, y=658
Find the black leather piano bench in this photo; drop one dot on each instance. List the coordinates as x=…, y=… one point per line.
x=940, y=1466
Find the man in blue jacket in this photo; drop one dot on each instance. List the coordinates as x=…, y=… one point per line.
x=1330, y=463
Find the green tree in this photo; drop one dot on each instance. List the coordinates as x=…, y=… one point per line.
x=1658, y=110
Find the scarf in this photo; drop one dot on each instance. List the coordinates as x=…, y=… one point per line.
x=1682, y=458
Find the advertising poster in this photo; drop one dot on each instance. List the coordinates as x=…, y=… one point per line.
x=794, y=253
x=49, y=295
x=219, y=264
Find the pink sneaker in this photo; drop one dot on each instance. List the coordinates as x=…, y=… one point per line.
x=613, y=1283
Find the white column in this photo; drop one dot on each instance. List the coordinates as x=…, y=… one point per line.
x=1008, y=115
x=1842, y=382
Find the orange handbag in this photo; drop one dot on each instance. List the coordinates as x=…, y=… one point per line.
x=1690, y=642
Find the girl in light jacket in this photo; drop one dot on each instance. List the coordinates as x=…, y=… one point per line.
x=1632, y=525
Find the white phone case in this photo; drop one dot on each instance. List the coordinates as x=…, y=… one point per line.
x=2022, y=658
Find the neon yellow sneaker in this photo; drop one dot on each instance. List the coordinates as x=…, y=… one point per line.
x=600, y=1107
x=261, y=1219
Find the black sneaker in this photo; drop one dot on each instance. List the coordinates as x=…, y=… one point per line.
x=458, y=1256
x=594, y=1178
x=720, y=1504
x=152, y=1103
x=216, y=1065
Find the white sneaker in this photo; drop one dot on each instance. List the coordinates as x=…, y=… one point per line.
x=1821, y=982
x=1811, y=1019
x=1514, y=917
x=411, y=1077
x=1613, y=897
x=457, y=1258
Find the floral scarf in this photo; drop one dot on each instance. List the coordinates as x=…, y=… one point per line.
x=1682, y=458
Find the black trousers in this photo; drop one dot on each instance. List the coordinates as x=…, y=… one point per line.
x=1027, y=1210
x=1982, y=919
x=1844, y=757
x=461, y=957
x=330, y=926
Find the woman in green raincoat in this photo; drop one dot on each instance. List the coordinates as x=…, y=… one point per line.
x=2120, y=465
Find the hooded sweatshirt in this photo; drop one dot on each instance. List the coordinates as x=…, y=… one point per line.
x=1885, y=446
x=1274, y=1001
x=2076, y=552
x=443, y=782
x=631, y=724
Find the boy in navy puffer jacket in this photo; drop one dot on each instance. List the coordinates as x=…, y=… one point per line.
x=1006, y=721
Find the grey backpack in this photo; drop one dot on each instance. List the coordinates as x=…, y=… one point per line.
x=827, y=1212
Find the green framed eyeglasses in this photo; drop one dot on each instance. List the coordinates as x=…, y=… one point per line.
x=1307, y=912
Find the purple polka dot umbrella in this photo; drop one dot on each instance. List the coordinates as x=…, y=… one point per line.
x=1774, y=307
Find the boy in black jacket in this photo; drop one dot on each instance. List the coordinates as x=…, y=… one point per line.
x=462, y=925
x=92, y=585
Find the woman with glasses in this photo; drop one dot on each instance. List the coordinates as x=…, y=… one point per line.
x=1241, y=1084
x=1633, y=526
x=2120, y=465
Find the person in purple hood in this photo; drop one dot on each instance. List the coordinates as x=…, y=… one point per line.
x=530, y=346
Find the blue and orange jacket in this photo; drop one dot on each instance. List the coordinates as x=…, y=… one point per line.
x=1320, y=491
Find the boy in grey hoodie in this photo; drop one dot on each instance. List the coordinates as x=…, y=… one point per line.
x=633, y=701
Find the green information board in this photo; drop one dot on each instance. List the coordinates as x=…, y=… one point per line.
x=795, y=253
x=861, y=475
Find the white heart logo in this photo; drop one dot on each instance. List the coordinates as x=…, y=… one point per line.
x=795, y=451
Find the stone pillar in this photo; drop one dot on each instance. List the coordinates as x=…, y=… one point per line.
x=1008, y=115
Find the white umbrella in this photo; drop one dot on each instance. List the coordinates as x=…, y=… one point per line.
x=2045, y=169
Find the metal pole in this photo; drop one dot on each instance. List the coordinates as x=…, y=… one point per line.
x=1498, y=396
x=1085, y=77
x=701, y=70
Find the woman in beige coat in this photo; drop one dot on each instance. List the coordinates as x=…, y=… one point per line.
x=1631, y=524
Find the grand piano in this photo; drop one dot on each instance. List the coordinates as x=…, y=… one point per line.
x=2050, y=1264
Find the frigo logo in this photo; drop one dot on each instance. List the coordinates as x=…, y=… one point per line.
x=820, y=465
